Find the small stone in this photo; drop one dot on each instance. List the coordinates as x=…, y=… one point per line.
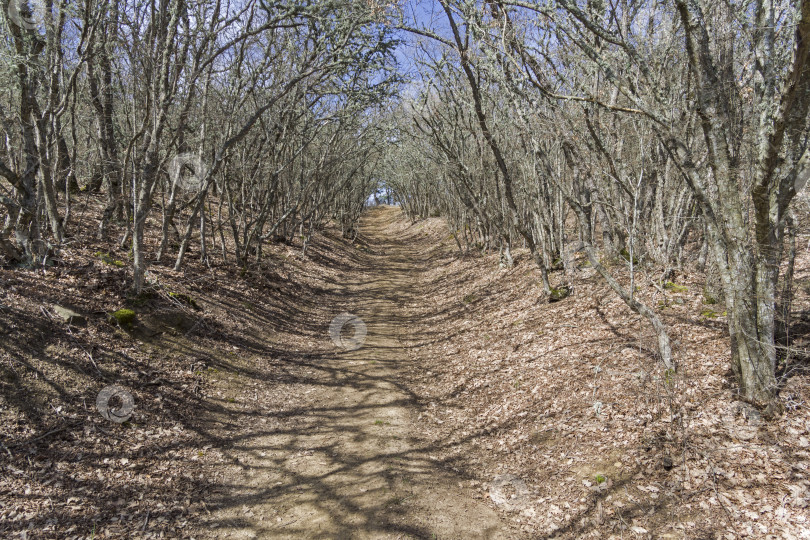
x=558, y=294
x=751, y=415
x=69, y=316
x=509, y=492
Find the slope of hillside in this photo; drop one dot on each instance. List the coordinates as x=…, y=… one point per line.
x=473, y=407
x=566, y=407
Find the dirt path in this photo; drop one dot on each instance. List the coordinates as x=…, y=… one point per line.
x=344, y=462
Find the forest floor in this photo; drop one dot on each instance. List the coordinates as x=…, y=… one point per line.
x=343, y=458
x=473, y=408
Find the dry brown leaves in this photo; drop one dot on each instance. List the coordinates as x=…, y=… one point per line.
x=560, y=412
x=570, y=399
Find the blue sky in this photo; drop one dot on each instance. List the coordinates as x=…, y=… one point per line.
x=426, y=14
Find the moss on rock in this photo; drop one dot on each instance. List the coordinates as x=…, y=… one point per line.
x=559, y=293
x=124, y=317
x=674, y=287
x=711, y=314
x=626, y=255
x=106, y=258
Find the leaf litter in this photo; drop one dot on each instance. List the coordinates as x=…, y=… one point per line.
x=559, y=415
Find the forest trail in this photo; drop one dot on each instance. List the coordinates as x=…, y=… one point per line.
x=344, y=462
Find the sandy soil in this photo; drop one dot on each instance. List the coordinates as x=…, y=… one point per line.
x=345, y=462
